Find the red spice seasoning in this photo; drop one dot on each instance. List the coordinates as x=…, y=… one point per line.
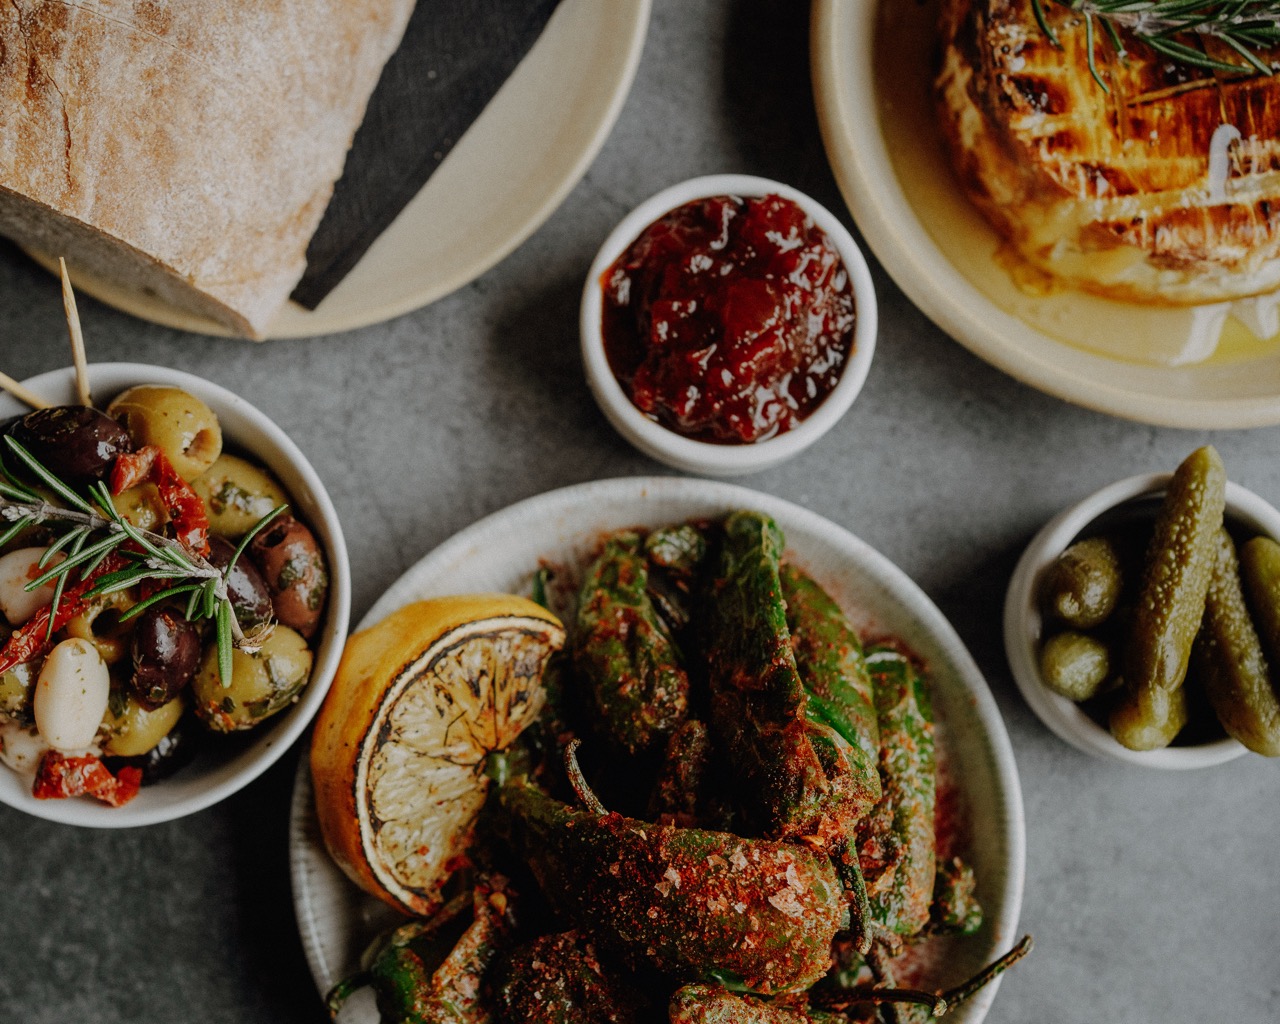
x=729, y=320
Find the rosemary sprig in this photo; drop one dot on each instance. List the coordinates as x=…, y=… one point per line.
x=1178, y=28
x=94, y=533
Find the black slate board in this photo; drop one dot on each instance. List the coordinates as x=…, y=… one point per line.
x=454, y=57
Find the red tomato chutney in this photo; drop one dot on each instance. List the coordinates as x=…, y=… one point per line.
x=729, y=320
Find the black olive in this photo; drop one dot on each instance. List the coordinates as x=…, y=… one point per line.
x=166, y=653
x=74, y=442
x=250, y=599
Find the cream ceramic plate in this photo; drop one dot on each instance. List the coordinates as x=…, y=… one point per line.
x=506, y=176
x=886, y=152
x=501, y=552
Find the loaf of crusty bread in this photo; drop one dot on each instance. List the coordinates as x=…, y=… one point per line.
x=1163, y=188
x=185, y=148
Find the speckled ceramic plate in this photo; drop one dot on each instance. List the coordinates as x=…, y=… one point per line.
x=501, y=552
x=507, y=175
x=886, y=151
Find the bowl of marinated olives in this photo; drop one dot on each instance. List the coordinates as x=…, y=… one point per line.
x=174, y=596
x=1143, y=622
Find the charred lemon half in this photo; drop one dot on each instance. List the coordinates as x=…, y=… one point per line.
x=398, y=755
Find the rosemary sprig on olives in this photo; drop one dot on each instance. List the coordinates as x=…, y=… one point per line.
x=98, y=531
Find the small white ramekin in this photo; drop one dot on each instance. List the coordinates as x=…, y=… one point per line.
x=684, y=453
x=1024, y=624
x=215, y=774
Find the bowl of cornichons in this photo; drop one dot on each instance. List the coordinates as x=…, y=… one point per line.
x=1143, y=622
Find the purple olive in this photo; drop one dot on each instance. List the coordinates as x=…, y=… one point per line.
x=250, y=599
x=166, y=653
x=294, y=568
x=74, y=442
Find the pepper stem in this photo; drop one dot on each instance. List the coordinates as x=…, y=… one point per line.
x=579, y=781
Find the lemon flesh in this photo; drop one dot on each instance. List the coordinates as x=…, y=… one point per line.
x=400, y=746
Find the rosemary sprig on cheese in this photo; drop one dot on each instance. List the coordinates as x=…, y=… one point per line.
x=1178, y=29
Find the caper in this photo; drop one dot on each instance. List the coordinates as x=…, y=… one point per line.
x=175, y=421
x=262, y=683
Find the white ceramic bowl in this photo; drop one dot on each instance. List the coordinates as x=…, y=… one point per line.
x=215, y=773
x=1024, y=625
x=563, y=528
x=684, y=453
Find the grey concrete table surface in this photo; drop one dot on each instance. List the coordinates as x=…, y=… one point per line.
x=1152, y=896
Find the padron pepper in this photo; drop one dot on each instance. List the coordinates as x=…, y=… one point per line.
x=693, y=904
x=713, y=1004
x=559, y=979
x=897, y=839
x=431, y=971
x=833, y=670
x=626, y=652
x=796, y=772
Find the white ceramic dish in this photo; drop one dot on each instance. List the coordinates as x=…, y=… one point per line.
x=872, y=69
x=662, y=444
x=1024, y=625
x=508, y=174
x=213, y=776
x=502, y=551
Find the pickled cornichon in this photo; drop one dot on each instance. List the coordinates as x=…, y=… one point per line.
x=1075, y=665
x=1083, y=585
x=1179, y=564
x=1260, y=572
x=1230, y=660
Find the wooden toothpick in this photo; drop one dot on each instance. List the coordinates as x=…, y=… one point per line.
x=77, y=338
x=22, y=394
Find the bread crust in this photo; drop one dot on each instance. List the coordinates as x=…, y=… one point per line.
x=1166, y=189
x=184, y=147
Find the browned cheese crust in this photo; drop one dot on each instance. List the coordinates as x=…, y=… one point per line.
x=185, y=148
x=1112, y=191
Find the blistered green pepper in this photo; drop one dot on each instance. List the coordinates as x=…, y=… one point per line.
x=897, y=840
x=430, y=971
x=690, y=903
x=796, y=772
x=625, y=652
x=559, y=979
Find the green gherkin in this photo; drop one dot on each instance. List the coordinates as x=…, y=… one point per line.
x=1231, y=663
x=625, y=651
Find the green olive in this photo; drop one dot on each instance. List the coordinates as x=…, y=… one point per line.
x=15, y=693
x=142, y=506
x=173, y=420
x=261, y=684
x=99, y=623
x=133, y=730
x=237, y=494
